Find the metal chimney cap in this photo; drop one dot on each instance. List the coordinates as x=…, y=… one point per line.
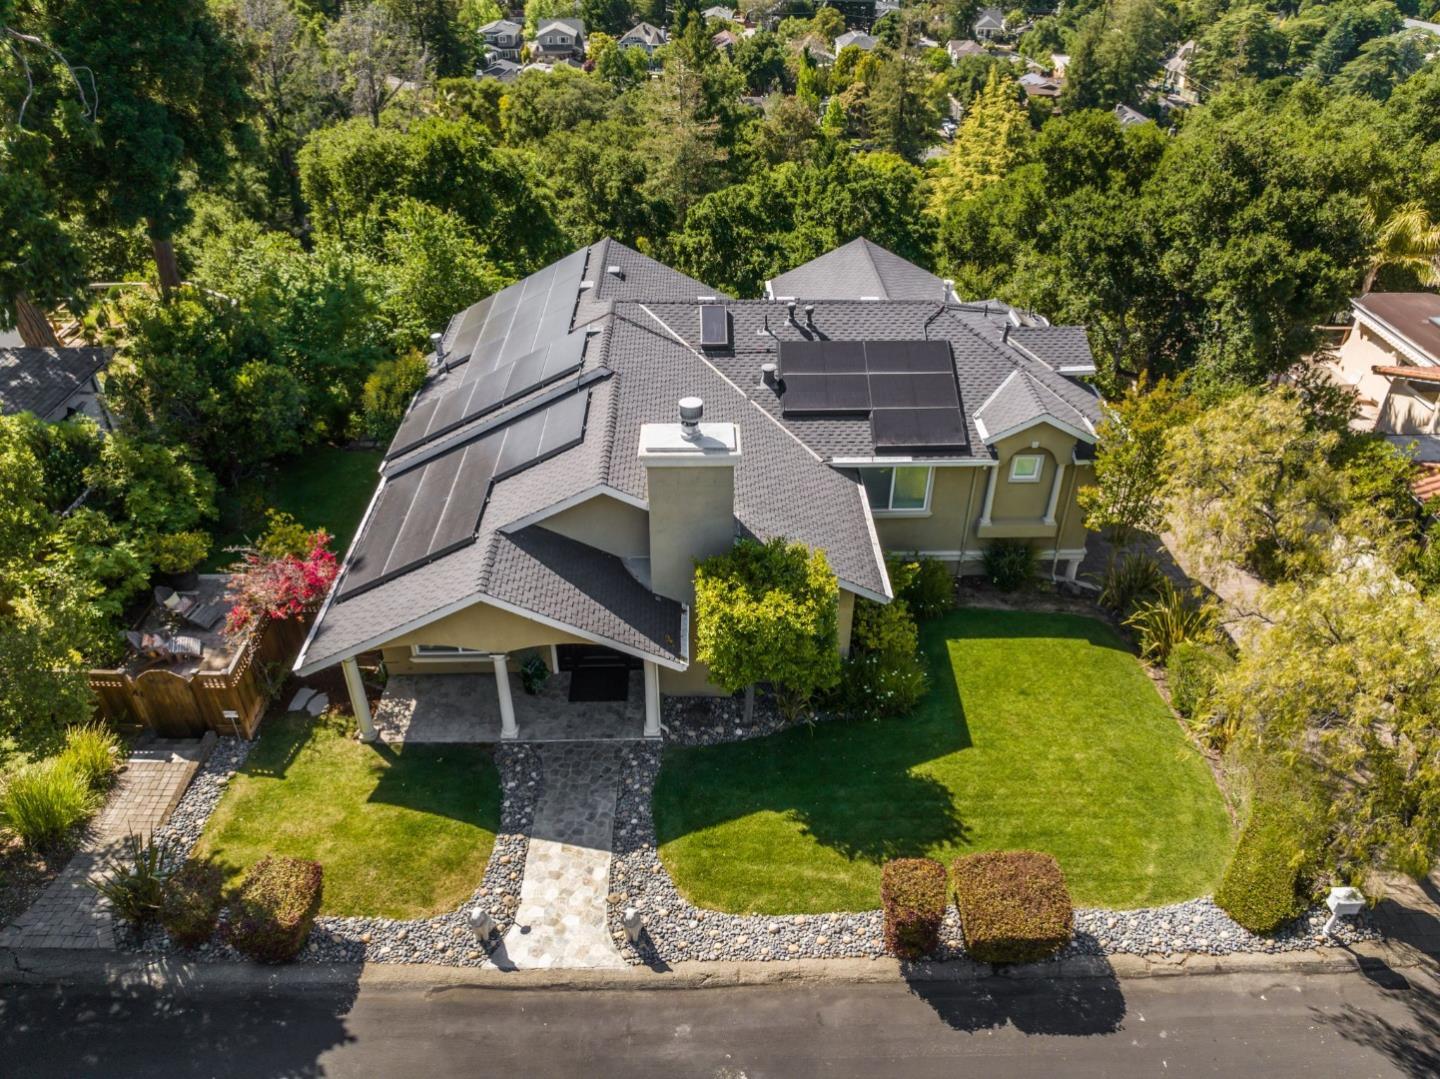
x=691, y=411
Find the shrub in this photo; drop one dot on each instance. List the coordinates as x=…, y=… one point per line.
x=93, y=750
x=43, y=801
x=179, y=552
x=884, y=627
x=1014, y=906
x=135, y=879
x=878, y=685
x=1193, y=669
x=190, y=906
x=388, y=391
x=276, y=905
x=1136, y=578
x=912, y=891
x=1267, y=884
x=1010, y=564
x=533, y=675
x=1171, y=617
x=926, y=586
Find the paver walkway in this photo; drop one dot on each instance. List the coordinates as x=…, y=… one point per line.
x=71, y=914
x=561, y=920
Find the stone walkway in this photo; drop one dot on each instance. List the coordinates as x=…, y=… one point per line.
x=561, y=921
x=71, y=914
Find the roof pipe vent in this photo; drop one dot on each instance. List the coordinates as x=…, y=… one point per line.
x=790, y=307
x=1005, y=334
x=810, y=314
x=691, y=410
x=437, y=343
x=949, y=284
x=769, y=375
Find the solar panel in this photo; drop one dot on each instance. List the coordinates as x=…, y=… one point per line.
x=908, y=356
x=918, y=428
x=825, y=393
x=821, y=357
x=714, y=326
x=518, y=319
x=435, y=507
x=482, y=392
x=913, y=390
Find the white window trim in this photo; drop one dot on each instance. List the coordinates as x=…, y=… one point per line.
x=463, y=655
x=1039, y=469
x=919, y=511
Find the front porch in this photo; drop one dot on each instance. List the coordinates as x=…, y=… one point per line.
x=432, y=708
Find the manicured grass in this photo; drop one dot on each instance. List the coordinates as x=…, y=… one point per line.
x=1040, y=731
x=401, y=833
x=324, y=487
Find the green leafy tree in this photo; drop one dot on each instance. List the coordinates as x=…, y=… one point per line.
x=766, y=612
x=1117, y=49
x=1243, y=44
x=991, y=140
x=901, y=116
x=39, y=265
x=436, y=25
x=760, y=61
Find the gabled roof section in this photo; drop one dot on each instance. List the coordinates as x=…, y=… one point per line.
x=1021, y=401
x=1065, y=349
x=40, y=380
x=860, y=270
x=1413, y=317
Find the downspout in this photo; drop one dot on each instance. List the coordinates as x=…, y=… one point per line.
x=965, y=530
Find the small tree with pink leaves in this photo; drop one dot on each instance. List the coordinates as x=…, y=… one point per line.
x=272, y=584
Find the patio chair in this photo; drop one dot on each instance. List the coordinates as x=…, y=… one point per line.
x=164, y=648
x=187, y=607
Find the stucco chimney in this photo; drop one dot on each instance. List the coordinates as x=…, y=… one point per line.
x=690, y=471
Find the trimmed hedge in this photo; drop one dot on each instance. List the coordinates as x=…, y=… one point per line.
x=1267, y=884
x=1014, y=906
x=275, y=908
x=191, y=904
x=912, y=892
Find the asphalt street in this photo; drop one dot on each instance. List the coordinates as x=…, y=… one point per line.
x=1350, y=1025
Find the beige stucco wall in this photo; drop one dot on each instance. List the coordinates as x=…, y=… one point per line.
x=606, y=523
x=479, y=626
x=1362, y=350
x=943, y=528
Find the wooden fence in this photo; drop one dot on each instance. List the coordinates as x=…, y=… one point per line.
x=187, y=705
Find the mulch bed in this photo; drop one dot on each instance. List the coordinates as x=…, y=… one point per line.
x=24, y=873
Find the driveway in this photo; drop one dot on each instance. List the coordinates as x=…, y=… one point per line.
x=1270, y=1025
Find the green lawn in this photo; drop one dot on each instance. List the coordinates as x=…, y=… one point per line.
x=1040, y=731
x=402, y=833
x=325, y=486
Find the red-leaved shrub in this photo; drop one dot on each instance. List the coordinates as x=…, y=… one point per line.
x=912, y=891
x=1014, y=906
x=277, y=903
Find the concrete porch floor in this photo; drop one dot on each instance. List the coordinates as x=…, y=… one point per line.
x=419, y=708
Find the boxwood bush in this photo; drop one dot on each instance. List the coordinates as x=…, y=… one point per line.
x=912, y=893
x=190, y=906
x=1014, y=906
x=275, y=908
x=926, y=586
x=1269, y=881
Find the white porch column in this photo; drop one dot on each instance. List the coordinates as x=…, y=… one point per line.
x=508, y=727
x=358, y=702
x=989, y=493
x=652, y=700
x=1055, y=492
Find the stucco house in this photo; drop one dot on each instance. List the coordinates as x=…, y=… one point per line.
x=587, y=434
x=54, y=383
x=1391, y=356
x=503, y=39
x=559, y=39
x=643, y=36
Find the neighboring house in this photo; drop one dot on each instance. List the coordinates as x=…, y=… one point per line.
x=724, y=14
x=1391, y=356
x=958, y=50
x=989, y=23
x=644, y=36
x=560, y=39
x=1421, y=24
x=1059, y=63
x=1129, y=117
x=503, y=39
x=818, y=48
x=54, y=383
x=1177, y=71
x=504, y=70
x=555, y=480
x=858, y=38
x=860, y=270
x=724, y=40
x=1037, y=85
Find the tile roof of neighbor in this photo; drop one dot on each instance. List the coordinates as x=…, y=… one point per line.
x=858, y=270
x=40, y=380
x=858, y=38
x=641, y=350
x=644, y=32
x=1415, y=316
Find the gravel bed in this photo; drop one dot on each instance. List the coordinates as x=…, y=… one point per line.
x=444, y=938
x=675, y=930
x=709, y=721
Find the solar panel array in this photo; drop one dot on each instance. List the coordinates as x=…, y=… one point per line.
x=482, y=392
x=907, y=388
x=434, y=508
x=516, y=320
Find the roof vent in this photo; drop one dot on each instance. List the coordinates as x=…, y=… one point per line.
x=810, y=314
x=768, y=373
x=691, y=410
x=615, y=271
x=790, y=307
x=437, y=342
x=949, y=284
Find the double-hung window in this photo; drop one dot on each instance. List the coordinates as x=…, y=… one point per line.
x=899, y=490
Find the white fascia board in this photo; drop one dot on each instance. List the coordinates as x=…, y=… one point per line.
x=886, y=462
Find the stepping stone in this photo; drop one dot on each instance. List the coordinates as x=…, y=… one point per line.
x=318, y=704
x=301, y=700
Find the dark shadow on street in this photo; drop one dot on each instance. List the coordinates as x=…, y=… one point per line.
x=1073, y=1007
x=1413, y=1047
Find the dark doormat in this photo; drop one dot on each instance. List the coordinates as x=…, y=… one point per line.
x=600, y=684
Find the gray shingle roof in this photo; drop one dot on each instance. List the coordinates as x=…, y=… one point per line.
x=859, y=270
x=1020, y=401
x=40, y=380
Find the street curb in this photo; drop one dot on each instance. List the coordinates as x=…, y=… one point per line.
x=91, y=968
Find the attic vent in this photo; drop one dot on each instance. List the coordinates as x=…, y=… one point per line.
x=615, y=271
x=714, y=326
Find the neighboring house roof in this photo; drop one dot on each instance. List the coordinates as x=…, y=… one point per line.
x=990, y=18
x=1413, y=317
x=1180, y=62
x=571, y=26
x=1425, y=451
x=857, y=271
x=504, y=70
x=1128, y=117
x=1421, y=24
x=817, y=46
x=858, y=38
x=719, y=12
x=1037, y=85
x=41, y=380
x=724, y=39
x=502, y=26
x=643, y=33
x=958, y=49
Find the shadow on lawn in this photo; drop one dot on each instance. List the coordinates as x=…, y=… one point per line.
x=455, y=781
